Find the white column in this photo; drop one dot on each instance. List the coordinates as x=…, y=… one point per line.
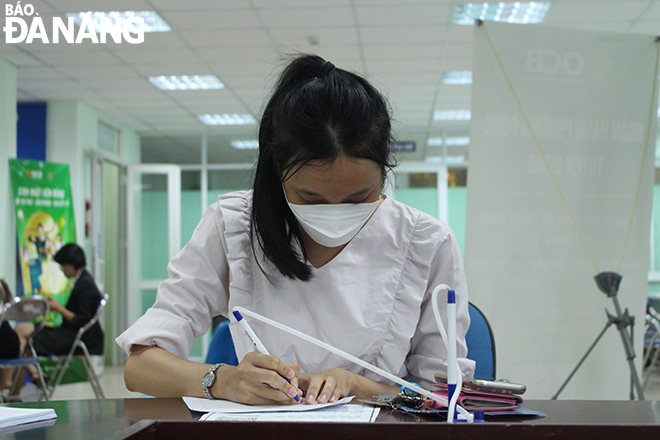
x=7, y=151
x=130, y=148
x=71, y=133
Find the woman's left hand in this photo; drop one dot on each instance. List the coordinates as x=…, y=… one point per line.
x=327, y=385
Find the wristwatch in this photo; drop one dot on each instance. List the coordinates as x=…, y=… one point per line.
x=208, y=380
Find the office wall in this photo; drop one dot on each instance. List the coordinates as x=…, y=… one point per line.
x=7, y=151
x=71, y=133
x=130, y=149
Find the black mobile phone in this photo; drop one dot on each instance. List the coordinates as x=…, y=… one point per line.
x=493, y=386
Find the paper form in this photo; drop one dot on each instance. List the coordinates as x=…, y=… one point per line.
x=226, y=406
x=10, y=416
x=340, y=414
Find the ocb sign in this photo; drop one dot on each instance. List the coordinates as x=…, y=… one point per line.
x=552, y=62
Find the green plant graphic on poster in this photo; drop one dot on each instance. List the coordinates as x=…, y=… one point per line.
x=44, y=223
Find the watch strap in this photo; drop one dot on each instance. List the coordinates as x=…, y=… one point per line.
x=207, y=391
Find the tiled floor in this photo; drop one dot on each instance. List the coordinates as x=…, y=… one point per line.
x=112, y=381
x=652, y=388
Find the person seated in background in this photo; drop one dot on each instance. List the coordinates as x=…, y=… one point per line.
x=80, y=308
x=9, y=342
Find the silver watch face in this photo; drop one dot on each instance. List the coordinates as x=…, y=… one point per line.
x=208, y=379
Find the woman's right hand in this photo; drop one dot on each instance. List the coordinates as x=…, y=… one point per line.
x=258, y=380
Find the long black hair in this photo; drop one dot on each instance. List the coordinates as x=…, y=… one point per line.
x=316, y=112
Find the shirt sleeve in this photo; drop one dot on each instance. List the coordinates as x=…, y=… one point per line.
x=428, y=353
x=197, y=290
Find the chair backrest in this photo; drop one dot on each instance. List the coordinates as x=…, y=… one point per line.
x=651, y=311
x=27, y=308
x=481, y=344
x=221, y=349
x=96, y=317
x=77, y=342
x=652, y=325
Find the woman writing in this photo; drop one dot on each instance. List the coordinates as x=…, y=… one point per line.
x=315, y=246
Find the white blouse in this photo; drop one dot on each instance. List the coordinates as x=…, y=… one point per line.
x=372, y=300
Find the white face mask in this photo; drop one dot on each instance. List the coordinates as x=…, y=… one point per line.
x=332, y=225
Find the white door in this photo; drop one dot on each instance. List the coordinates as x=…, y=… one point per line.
x=428, y=194
x=154, y=231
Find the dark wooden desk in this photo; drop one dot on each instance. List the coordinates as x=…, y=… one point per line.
x=163, y=419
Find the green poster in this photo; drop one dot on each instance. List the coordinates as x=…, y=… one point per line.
x=44, y=223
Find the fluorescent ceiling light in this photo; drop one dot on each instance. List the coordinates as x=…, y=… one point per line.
x=252, y=144
x=451, y=141
x=518, y=12
x=451, y=115
x=192, y=82
x=449, y=160
x=463, y=140
x=457, y=77
x=227, y=119
x=152, y=21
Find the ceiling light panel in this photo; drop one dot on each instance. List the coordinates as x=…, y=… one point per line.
x=450, y=141
x=452, y=115
x=227, y=119
x=518, y=12
x=187, y=82
x=152, y=21
x=457, y=77
x=251, y=144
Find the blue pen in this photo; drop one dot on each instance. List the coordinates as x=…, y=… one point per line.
x=451, y=351
x=255, y=340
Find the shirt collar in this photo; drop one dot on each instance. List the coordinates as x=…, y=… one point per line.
x=73, y=283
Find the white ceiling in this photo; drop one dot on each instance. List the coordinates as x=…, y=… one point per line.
x=402, y=46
